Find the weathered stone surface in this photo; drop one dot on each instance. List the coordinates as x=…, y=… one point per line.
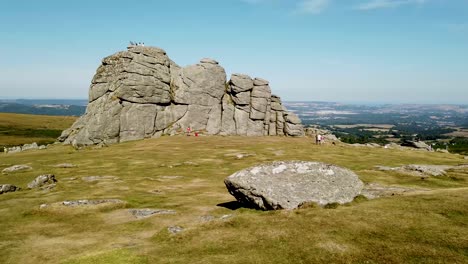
x=201, y=84
x=261, y=91
x=228, y=124
x=141, y=93
x=287, y=185
x=294, y=130
x=418, y=145
x=260, y=82
x=137, y=121
x=99, y=178
x=146, y=212
x=4, y=188
x=30, y=146
x=242, y=98
x=255, y=128
x=241, y=83
x=64, y=165
x=420, y=170
x=242, y=119
x=42, y=180
x=175, y=229
x=208, y=60
x=292, y=118
x=169, y=116
x=84, y=203
x=375, y=190
x=16, y=168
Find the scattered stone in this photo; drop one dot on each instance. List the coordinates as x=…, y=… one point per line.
x=170, y=177
x=144, y=213
x=42, y=180
x=431, y=170
x=25, y=147
x=420, y=170
x=191, y=163
x=99, y=178
x=175, y=229
x=30, y=146
x=288, y=184
x=224, y=217
x=4, y=188
x=240, y=155
x=375, y=190
x=74, y=203
x=417, y=145
x=70, y=179
x=65, y=165
x=208, y=60
x=207, y=218
x=16, y=168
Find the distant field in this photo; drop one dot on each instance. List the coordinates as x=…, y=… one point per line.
x=186, y=174
x=370, y=126
x=19, y=129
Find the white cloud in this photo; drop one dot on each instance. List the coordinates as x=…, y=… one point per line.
x=312, y=6
x=379, y=4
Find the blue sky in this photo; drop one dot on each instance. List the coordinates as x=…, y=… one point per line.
x=326, y=50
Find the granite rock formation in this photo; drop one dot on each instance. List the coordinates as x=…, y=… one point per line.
x=141, y=93
x=290, y=184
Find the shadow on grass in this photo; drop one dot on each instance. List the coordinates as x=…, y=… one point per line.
x=233, y=205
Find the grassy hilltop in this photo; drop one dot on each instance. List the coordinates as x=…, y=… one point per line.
x=429, y=226
x=19, y=129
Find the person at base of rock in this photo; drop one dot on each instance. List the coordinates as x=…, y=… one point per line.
x=318, y=139
x=189, y=130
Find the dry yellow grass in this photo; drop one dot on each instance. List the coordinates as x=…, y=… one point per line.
x=425, y=227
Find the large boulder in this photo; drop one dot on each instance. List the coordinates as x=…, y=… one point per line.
x=289, y=184
x=141, y=93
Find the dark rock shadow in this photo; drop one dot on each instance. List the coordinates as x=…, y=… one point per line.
x=233, y=205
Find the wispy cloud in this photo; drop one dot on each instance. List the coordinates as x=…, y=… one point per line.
x=380, y=4
x=312, y=6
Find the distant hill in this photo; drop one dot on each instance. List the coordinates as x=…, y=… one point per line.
x=55, y=107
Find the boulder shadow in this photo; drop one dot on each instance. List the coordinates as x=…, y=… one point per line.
x=233, y=205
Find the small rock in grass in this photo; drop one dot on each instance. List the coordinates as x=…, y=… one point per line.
x=16, y=168
x=175, y=229
x=42, y=180
x=4, y=188
x=146, y=212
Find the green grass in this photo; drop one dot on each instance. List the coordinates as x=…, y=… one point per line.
x=425, y=227
x=20, y=129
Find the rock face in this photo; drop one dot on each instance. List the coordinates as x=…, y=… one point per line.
x=287, y=185
x=141, y=93
x=41, y=180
